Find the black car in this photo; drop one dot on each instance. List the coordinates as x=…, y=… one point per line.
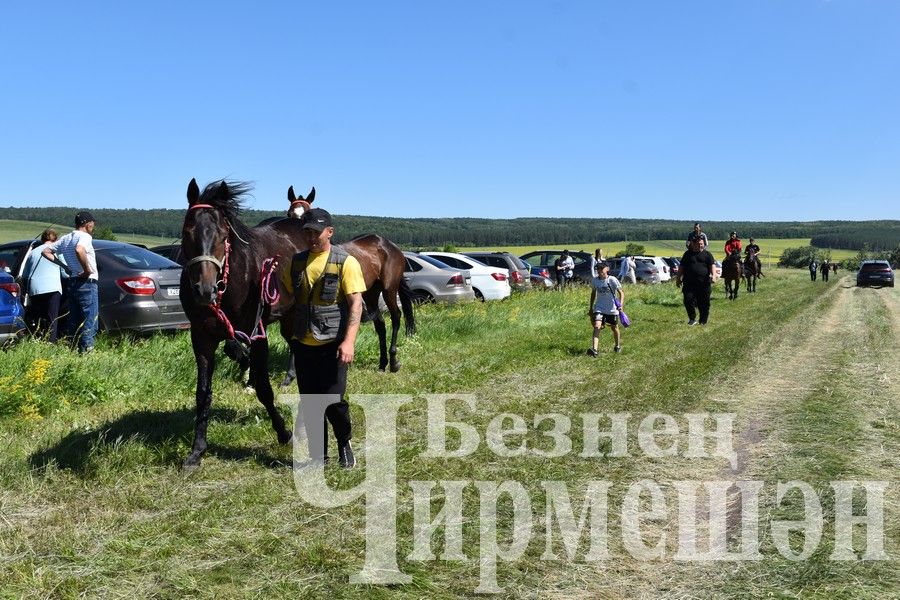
x=170, y=251
x=545, y=259
x=875, y=272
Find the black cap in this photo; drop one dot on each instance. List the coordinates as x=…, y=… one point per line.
x=316, y=218
x=83, y=218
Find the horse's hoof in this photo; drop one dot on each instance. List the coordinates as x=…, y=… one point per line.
x=395, y=367
x=285, y=437
x=285, y=383
x=191, y=464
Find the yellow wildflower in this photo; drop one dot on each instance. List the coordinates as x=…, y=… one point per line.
x=37, y=372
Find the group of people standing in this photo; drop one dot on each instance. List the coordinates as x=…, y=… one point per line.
x=69, y=263
x=695, y=278
x=824, y=268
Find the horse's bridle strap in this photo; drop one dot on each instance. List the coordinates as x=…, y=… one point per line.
x=206, y=258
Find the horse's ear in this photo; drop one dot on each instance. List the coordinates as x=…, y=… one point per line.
x=312, y=195
x=193, y=192
x=291, y=196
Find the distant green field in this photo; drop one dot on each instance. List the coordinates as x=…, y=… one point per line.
x=21, y=230
x=771, y=248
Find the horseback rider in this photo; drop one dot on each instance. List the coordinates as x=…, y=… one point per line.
x=733, y=244
x=752, y=252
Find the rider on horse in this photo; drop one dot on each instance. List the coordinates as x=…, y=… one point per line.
x=733, y=244
x=752, y=252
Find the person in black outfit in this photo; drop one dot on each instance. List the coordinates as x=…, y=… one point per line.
x=826, y=268
x=695, y=277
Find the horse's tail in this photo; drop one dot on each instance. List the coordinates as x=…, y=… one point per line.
x=406, y=305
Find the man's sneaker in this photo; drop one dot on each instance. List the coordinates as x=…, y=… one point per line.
x=692, y=322
x=592, y=352
x=345, y=456
x=617, y=349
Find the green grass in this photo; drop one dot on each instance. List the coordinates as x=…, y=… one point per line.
x=11, y=231
x=94, y=503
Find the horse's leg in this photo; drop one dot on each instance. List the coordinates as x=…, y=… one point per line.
x=390, y=298
x=381, y=330
x=205, y=356
x=291, y=373
x=259, y=375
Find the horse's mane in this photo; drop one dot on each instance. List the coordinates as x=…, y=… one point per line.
x=228, y=197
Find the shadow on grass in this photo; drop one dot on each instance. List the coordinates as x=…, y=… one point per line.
x=166, y=434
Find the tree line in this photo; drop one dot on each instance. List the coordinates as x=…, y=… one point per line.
x=468, y=232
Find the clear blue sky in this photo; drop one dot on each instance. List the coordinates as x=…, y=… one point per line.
x=745, y=109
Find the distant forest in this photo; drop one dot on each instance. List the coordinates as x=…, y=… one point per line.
x=464, y=232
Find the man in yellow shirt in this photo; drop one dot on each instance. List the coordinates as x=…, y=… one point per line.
x=327, y=285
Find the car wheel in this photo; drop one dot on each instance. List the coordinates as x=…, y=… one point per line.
x=421, y=297
x=478, y=295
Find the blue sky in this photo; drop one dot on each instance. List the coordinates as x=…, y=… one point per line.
x=762, y=109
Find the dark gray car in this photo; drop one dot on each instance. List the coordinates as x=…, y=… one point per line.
x=139, y=290
x=546, y=259
x=519, y=273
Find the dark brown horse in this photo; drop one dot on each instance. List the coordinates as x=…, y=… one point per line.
x=229, y=285
x=732, y=271
x=751, y=272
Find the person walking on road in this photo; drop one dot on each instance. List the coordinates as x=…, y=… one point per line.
x=825, y=269
x=813, y=266
x=695, y=277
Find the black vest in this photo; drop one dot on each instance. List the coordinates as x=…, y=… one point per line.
x=317, y=310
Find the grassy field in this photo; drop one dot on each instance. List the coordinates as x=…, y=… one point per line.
x=772, y=248
x=93, y=501
x=25, y=230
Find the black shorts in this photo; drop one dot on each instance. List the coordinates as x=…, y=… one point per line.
x=608, y=319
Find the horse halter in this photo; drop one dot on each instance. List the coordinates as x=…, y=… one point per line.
x=221, y=265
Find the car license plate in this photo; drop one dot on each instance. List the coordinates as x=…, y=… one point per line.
x=173, y=292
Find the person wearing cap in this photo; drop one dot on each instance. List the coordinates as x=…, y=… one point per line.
x=327, y=285
x=602, y=308
x=44, y=286
x=77, y=250
x=752, y=252
x=733, y=244
x=696, y=233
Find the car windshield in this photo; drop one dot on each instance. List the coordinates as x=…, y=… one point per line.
x=138, y=258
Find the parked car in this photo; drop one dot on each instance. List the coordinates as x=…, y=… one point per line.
x=434, y=281
x=519, y=279
x=547, y=258
x=540, y=277
x=674, y=265
x=488, y=283
x=138, y=290
x=645, y=270
x=12, y=313
x=875, y=272
x=661, y=265
x=170, y=251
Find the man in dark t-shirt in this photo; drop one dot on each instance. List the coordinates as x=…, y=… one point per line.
x=695, y=275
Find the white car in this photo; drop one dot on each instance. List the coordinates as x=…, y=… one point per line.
x=489, y=283
x=665, y=273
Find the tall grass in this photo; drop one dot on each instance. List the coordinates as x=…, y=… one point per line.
x=94, y=503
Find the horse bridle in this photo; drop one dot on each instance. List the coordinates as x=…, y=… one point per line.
x=221, y=265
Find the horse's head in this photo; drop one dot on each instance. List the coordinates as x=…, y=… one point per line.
x=299, y=205
x=204, y=237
